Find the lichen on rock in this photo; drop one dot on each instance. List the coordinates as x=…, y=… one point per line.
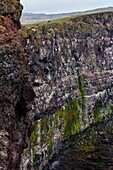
x=12, y=9
x=71, y=68
x=16, y=93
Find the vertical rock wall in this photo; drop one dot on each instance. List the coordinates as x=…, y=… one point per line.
x=61, y=53
x=16, y=93
x=71, y=66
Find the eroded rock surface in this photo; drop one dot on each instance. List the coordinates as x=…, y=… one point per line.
x=71, y=66
x=90, y=150
x=71, y=69
x=16, y=93
x=12, y=9
x=60, y=52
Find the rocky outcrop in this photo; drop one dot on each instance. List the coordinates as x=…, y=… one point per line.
x=92, y=149
x=71, y=69
x=16, y=93
x=71, y=66
x=12, y=9
x=60, y=52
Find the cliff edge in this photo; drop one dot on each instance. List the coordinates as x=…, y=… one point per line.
x=71, y=67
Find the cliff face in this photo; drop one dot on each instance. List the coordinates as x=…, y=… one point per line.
x=71, y=69
x=60, y=52
x=71, y=66
x=16, y=92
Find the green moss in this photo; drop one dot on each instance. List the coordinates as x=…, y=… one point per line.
x=33, y=153
x=56, y=120
x=50, y=143
x=44, y=127
x=47, y=130
x=42, y=138
x=80, y=85
x=107, y=110
x=82, y=93
x=33, y=141
x=87, y=147
x=50, y=135
x=34, y=135
x=25, y=152
x=60, y=118
x=71, y=118
x=96, y=112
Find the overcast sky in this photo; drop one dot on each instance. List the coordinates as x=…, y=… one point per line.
x=59, y=6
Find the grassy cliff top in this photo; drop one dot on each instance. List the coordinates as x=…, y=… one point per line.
x=77, y=18
x=82, y=25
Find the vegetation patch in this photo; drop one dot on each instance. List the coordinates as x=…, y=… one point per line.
x=87, y=147
x=82, y=93
x=71, y=118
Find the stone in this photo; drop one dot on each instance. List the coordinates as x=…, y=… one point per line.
x=16, y=93
x=72, y=77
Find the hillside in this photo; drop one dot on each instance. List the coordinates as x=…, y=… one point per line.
x=30, y=18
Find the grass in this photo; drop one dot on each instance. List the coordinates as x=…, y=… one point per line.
x=59, y=20
x=64, y=20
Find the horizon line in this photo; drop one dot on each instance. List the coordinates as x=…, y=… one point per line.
x=68, y=11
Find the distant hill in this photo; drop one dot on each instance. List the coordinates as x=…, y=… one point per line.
x=30, y=18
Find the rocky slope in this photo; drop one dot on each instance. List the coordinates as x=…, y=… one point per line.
x=68, y=67
x=71, y=66
x=16, y=93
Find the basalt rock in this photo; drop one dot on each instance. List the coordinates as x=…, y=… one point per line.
x=71, y=67
x=62, y=52
x=16, y=93
x=12, y=9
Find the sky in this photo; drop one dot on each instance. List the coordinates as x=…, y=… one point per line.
x=60, y=6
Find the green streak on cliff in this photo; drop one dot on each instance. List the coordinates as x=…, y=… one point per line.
x=71, y=118
x=96, y=112
x=44, y=127
x=97, y=115
x=34, y=135
x=82, y=93
x=50, y=135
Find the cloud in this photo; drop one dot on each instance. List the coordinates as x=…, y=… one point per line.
x=50, y=6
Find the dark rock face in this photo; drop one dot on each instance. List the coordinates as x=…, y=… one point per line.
x=89, y=150
x=61, y=52
x=16, y=93
x=71, y=66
